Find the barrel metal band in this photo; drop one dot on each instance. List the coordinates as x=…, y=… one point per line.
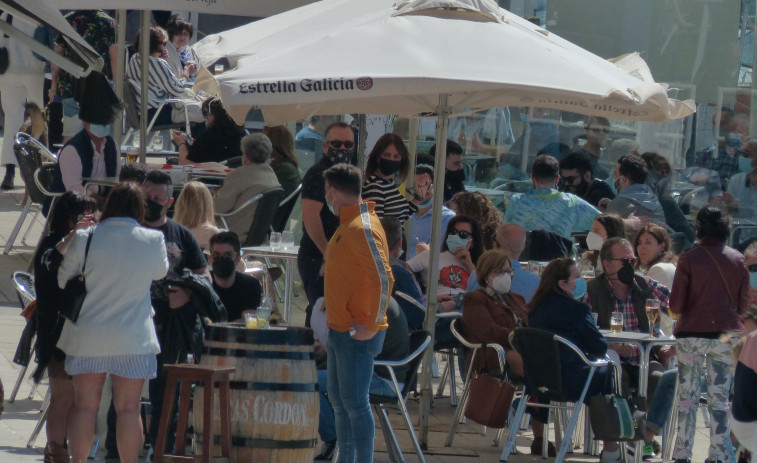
x=257, y=354
x=276, y=387
x=263, y=443
x=290, y=336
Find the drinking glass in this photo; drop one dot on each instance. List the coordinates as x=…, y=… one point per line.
x=653, y=314
x=264, y=313
x=251, y=321
x=157, y=143
x=132, y=153
x=287, y=240
x=218, y=68
x=275, y=241
x=616, y=322
x=588, y=274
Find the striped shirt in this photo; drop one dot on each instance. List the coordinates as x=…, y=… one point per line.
x=163, y=82
x=389, y=201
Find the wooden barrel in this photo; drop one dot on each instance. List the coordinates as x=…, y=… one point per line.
x=274, y=401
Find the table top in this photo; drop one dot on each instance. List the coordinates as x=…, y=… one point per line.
x=637, y=337
x=104, y=181
x=151, y=153
x=266, y=251
x=487, y=191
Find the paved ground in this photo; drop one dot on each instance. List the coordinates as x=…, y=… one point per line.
x=18, y=419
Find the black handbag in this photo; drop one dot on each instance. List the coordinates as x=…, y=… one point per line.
x=615, y=418
x=4, y=55
x=75, y=290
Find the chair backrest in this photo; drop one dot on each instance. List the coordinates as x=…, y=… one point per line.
x=44, y=177
x=419, y=341
x=261, y=222
x=131, y=107
x=541, y=362
x=29, y=160
x=44, y=151
x=24, y=284
x=286, y=205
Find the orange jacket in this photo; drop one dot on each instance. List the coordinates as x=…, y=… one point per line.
x=358, y=278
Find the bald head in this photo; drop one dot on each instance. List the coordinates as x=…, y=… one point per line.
x=511, y=238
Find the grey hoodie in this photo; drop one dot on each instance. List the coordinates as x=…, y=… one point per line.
x=639, y=199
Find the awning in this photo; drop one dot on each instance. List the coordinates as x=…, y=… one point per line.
x=228, y=7
x=44, y=13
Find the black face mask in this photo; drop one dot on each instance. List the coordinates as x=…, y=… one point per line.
x=455, y=176
x=339, y=155
x=626, y=274
x=223, y=267
x=153, y=210
x=388, y=167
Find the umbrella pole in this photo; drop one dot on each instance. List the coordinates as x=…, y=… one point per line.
x=442, y=124
x=144, y=55
x=118, y=74
x=525, y=146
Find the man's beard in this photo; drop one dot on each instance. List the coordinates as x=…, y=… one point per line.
x=581, y=188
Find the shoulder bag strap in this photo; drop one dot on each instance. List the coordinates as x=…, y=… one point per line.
x=86, y=251
x=722, y=277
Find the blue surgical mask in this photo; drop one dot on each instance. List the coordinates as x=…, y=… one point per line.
x=745, y=164
x=454, y=242
x=99, y=130
x=753, y=279
x=580, y=289
x=427, y=203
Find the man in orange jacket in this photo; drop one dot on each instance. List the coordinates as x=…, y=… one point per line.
x=358, y=285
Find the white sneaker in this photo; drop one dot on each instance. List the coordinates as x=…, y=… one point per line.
x=610, y=456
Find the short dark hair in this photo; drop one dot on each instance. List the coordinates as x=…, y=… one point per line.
x=158, y=177
x=606, y=252
x=226, y=237
x=67, y=209
x=132, y=172
x=633, y=167
x=578, y=161
x=126, y=199
x=336, y=125
x=177, y=24
x=452, y=148
x=545, y=167
x=613, y=225
x=345, y=178
x=712, y=222
x=477, y=248
x=384, y=142
x=392, y=230
x=421, y=169
x=597, y=120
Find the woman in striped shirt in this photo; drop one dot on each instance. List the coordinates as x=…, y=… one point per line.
x=163, y=83
x=388, y=162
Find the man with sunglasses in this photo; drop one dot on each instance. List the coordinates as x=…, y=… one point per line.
x=318, y=222
x=597, y=129
x=577, y=177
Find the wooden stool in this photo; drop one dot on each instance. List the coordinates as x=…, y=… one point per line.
x=210, y=375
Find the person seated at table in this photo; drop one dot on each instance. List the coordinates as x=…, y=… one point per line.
x=194, y=209
x=91, y=153
x=605, y=226
x=420, y=222
x=621, y=289
x=162, y=82
x=657, y=261
x=577, y=177
x=238, y=291
x=454, y=174
x=181, y=56
x=477, y=205
x=284, y=160
x=404, y=281
x=555, y=308
x=388, y=164
x=243, y=183
x=219, y=142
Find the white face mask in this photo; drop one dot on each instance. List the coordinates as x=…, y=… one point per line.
x=594, y=241
x=501, y=283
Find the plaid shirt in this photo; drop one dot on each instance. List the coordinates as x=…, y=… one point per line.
x=630, y=321
x=726, y=166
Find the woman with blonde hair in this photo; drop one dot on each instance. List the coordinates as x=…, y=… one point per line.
x=194, y=210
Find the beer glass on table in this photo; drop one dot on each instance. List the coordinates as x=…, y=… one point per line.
x=653, y=314
x=616, y=322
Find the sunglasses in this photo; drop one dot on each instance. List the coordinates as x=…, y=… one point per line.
x=464, y=234
x=627, y=260
x=598, y=130
x=338, y=143
x=570, y=180
x=226, y=255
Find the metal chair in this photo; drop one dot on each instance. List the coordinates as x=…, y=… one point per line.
x=132, y=108
x=279, y=222
x=541, y=351
x=30, y=155
x=474, y=348
x=267, y=205
x=24, y=285
x=419, y=341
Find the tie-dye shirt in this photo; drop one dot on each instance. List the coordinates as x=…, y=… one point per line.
x=551, y=210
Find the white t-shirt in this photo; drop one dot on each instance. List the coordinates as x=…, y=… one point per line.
x=453, y=276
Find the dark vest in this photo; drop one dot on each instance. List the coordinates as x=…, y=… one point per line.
x=602, y=301
x=83, y=145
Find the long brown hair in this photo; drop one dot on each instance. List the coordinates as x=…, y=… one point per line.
x=661, y=236
x=127, y=199
x=556, y=271
x=283, y=144
x=480, y=207
x=386, y=140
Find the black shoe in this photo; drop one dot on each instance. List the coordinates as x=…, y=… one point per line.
x=536, y=447
x=7, y=183
x=327, y=451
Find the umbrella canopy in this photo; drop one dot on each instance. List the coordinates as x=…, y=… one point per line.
x=382, y=56
x=226, y=7
x=43, y=13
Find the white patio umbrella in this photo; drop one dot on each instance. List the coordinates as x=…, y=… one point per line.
x=411, y=57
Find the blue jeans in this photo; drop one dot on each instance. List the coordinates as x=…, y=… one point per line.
x=350, y=369
x=662, y=402
x=326, y=424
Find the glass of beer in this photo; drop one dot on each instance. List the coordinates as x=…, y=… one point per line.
x=616, y=322
x=218, y=68
x=653, y=314
x=132, y=153
x=588, y=274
